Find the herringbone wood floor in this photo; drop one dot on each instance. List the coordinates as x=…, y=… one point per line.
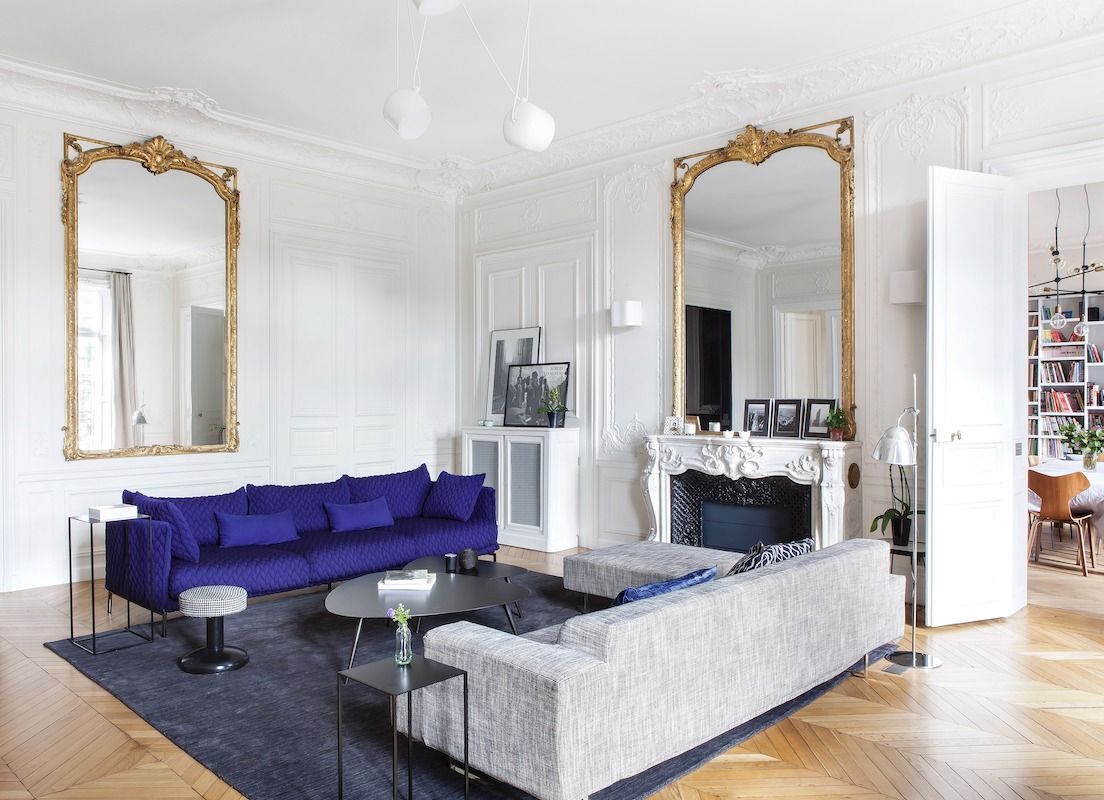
x=1016, y=712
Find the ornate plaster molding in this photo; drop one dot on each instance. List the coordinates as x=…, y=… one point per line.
x=752, y=257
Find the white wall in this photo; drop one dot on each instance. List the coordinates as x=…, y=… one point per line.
x=618, y=212
x=346, y=325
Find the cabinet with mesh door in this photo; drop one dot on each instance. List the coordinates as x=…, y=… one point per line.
x=535, y=474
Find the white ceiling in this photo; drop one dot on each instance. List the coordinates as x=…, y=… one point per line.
x=791, y=199
x=325, y=68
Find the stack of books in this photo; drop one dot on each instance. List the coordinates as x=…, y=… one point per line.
x=417, y=579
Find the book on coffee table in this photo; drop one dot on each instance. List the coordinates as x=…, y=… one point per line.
x=408, y=579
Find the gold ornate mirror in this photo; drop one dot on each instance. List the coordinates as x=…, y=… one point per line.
x=151, y=242
x=764, y=272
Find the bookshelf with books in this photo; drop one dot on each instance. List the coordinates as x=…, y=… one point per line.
x=1065, y=378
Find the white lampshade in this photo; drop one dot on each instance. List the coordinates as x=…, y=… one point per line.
x=895, y=447
x=435, y=8
x=529, y=127
x=407, y=112
x=138, y=418
x=627, y=313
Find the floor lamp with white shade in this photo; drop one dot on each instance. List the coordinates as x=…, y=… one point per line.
x=898, y=449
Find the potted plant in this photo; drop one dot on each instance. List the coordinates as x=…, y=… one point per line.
x=898, y=517
x=553, y=406
x=1088, y=443
x=836, y=422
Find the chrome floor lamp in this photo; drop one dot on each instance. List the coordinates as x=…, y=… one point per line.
x=898, y=449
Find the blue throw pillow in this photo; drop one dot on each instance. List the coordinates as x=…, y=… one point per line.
x=240, y=530
x=663, y=587
x=453, y=496
x=359, y=516
x=182, y=543
x=405, y=491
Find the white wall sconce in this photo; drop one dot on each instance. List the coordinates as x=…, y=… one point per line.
x=627, y=313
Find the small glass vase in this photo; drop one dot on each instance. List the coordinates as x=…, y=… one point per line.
x=1088, y=461
x=403, y=651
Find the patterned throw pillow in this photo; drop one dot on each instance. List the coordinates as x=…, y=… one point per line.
x=763, y=556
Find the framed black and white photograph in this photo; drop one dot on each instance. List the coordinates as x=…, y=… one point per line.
x=528, y=386
x=787, y=419
x=508, y=347
x=757, y=417
x=816, y=418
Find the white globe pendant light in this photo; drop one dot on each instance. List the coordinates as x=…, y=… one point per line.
x=529, y=127
x=435, y=8
x=407, y=112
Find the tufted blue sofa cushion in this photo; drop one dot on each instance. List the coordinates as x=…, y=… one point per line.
x=453, y=496
x=350, y=554
x=359, y=516
x=435, y=537
x=199, y=512
x=405, y=491
x=257, y=569
x=663, y=587
x=248, y=529
x=305, y=502
x=182, y=541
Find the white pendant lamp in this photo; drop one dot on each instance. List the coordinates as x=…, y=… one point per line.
x=529, y=127
x=407, y=112
x=435, y=8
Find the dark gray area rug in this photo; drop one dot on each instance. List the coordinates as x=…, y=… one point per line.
x=269, y=729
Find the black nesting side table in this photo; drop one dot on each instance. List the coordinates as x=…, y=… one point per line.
x=83, y=641
x=394, y=681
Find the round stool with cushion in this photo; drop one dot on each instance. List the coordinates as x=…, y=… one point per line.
x=213, y=602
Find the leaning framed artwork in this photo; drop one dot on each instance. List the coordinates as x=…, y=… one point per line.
x=508, y=347
x=787, y=419
x=527, y=387
x=816, y=418
x=757, y=417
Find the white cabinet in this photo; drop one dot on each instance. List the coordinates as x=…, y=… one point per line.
x=535, y=474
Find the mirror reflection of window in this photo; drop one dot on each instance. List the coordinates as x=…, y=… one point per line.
x=94, y=374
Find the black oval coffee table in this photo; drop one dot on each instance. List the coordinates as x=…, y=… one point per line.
x=362, y=598
x=488, y=570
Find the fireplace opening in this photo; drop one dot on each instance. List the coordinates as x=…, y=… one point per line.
x=713, y=511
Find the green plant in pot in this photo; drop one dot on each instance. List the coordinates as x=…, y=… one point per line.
x=1088, y=443
x=553, y=406
x=837, y=423
x=898, y=517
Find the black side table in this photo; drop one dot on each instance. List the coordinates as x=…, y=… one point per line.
x=389, y=678
x=94, y=638
x=904, y=549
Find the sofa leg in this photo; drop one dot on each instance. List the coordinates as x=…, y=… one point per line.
x=865, y=668
x=329, y=587
x=586, y=602
x=164, y=625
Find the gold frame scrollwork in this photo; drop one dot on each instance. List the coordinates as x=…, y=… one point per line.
x=754, y=146
x=158, y=156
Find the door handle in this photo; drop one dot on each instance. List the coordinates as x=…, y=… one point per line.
x=956, y=436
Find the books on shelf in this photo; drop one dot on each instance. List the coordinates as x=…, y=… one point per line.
x=1092, y=354
x=1056, y=402
x=414, y=579
x=1094, y=395
x=1063, y=372
x=1063, y=351
x=1052, y=336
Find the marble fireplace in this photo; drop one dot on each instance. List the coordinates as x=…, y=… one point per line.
x=709, y=491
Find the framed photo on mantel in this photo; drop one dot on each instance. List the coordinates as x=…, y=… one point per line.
x=757, y=417
x=787, y=419
x=526, y=389
x=508, y=347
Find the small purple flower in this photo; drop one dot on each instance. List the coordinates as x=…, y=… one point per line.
x=390, y=613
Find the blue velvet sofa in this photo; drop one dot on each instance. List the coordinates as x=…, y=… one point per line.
x=194, y=557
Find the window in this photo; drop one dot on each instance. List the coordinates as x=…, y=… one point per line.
x=95, y=422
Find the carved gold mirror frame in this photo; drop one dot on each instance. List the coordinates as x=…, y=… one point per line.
x=754, y=146
x=157, y=156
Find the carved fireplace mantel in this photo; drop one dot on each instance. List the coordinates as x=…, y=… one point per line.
x=819, y=463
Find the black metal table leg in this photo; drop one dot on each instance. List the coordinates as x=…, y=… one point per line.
x=510, y=616
x=340, y=765
x=410, y=745
x=394, y=753
x=356, y=641
x=466, y=769
x=517, y=603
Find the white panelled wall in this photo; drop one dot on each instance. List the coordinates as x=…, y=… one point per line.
x=364, y=309
x=960, y=119
x=346, y=329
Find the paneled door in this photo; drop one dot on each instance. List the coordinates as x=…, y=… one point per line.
x=976, y=396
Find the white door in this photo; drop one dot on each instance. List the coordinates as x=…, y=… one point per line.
x=976, y=398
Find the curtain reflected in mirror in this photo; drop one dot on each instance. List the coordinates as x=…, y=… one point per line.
x=153, y=265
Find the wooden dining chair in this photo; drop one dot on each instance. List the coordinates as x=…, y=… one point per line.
x=1055, y=493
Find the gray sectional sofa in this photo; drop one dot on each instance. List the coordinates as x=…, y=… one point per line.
x=569, y=710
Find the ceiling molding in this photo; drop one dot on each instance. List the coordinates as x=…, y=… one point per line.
x=724, y=100
x=200, y=256
x=752, y=257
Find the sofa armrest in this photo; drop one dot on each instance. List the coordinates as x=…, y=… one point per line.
x=528, y=708
x=128, y=555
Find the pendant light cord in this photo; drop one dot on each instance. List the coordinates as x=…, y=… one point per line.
x=523, y=67
x=416, y=47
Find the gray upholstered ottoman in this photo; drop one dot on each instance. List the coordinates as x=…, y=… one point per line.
x=214, y=603
x=607, y=571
